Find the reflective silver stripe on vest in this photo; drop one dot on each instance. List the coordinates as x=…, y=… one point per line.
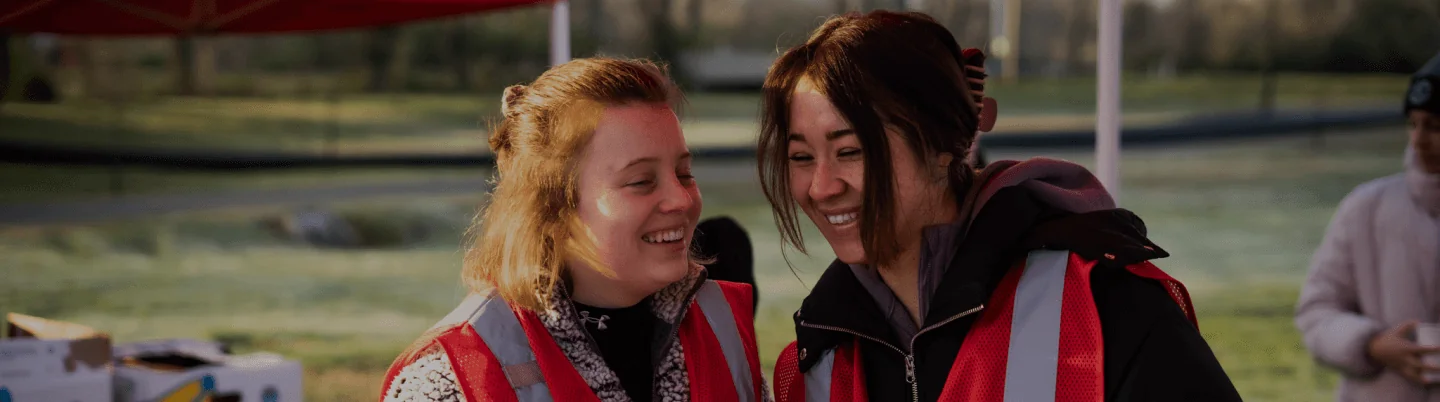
x=722, y=322
x=1034, y=350
x=1035, y=328
x=495, y=323
x=817, y=380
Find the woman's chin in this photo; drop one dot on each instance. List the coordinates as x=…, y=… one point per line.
x=849, y=252
x=665, y=275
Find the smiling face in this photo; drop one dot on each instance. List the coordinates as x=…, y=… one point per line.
x=640, y=203
x=826, y=171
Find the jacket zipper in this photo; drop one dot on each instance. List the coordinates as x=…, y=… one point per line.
x=910, y=377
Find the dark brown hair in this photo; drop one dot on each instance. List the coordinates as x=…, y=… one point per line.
x=882, y=70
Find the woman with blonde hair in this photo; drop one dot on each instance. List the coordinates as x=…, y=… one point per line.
x=583, y=283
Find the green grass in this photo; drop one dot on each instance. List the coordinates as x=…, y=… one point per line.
x=27, y=183
x=421, y=123
x=1240, y=219
x=417, y=122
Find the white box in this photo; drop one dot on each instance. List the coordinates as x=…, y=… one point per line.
x=52, y=361
x=194, y=371
x=81, y=388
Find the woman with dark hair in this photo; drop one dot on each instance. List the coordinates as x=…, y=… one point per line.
x=1019, y=282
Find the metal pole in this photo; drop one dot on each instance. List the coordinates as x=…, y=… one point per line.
x=1011, y=65
x=560, y=32
x=998, y=45
x=1107, y=114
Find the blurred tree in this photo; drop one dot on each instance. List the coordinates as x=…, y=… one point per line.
x=400, y=60
x=664, y=43
x=1386, y=35
x=1193, y=40
x=4, y=66
x=184, y=65
x=1143, y=49
x=594, y=24
x=380, y=50
x=460, y=56
x=1268, y=44
x=695, y=17
x=1080, y=31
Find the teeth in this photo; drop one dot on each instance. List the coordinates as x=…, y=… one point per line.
x=663, y=236
x=842, y=218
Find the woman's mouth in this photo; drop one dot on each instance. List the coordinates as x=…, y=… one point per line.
x=842, y=219
x=664, y=236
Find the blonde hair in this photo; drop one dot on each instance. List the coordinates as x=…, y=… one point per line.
x=530, y=228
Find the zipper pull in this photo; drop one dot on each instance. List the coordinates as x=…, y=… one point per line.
x=910, y=369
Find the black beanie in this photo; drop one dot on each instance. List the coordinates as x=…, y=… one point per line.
x=1421, y=94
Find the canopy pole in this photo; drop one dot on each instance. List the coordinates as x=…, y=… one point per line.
x=559, y=32
x=1107, y=102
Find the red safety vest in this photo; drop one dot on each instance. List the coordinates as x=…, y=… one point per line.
x=501, y=353
x=1040, y=325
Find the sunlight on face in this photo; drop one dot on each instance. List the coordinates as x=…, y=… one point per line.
x=640, y=203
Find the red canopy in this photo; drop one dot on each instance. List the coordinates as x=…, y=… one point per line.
x=171, y=17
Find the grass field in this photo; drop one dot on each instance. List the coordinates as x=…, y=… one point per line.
x=389, y=123
x=1240, y=219
x=368, y=124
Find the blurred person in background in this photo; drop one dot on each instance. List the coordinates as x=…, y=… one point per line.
x=1022, y=281
x=724, y=240
x=1376, y=275
x=583, y=283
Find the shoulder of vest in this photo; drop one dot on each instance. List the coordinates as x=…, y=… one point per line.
x=1120, y=257
x=467, y=310
x=741, y=290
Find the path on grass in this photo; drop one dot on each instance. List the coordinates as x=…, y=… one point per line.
x=140, y=206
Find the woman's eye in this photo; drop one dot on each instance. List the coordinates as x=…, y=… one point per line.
x=849, y=152
x=641, y=183
x=801, y=158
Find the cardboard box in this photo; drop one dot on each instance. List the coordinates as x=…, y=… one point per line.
x=190, y=370
x=51, y=361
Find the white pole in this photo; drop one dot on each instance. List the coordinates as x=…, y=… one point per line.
x=559, y=32
x=999, y=44
x=1107, y=102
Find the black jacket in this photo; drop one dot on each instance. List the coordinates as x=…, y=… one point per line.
x=1151, y=350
